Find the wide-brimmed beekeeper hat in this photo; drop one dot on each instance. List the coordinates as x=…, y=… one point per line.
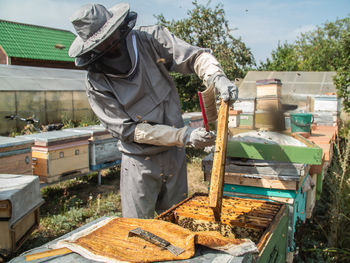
x=94, y=23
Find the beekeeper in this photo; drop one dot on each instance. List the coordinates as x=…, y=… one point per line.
x=130, y=90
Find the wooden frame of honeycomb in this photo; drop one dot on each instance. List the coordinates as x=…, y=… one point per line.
x=240, y=217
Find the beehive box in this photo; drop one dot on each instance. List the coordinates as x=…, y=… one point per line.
x=15, y=155
x=259, y=173
x=20, y=200
x=246, y=105
x=233, y=119
x=103, y=148
x=265, y=223
x=270, y=120
x=193, y=119
x=268, y=87
x=59, y=154
x=266, y=180
x=247, y=120
x=268, y=104
x=296, y=201
x=329, y=103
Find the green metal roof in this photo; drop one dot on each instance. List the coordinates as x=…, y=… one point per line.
x=35, y=42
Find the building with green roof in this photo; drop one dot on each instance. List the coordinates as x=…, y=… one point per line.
x=32, y=45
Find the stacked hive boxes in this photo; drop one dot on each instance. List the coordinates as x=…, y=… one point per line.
x=268, y=93
x=20, y=200
x=59, y=153
x=275, y=172
x=326, y=109
x=15, y=155
x=103, y=148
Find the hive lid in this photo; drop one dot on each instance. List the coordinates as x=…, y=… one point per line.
x=53, y=137
x=9, y=142
x=92, y=130
x=23, y=191
x=267, y=137
x=268, y=81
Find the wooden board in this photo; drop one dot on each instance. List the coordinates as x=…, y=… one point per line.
x=62, y=177
x=12, y=237
x=261, y=167
x=17, y=164
x=258, y=181
x=311, y=198
x=268, y=90
x=5, y=209
x=217, y=179
x=51, y=165
x=9, y=144
x=268, y=104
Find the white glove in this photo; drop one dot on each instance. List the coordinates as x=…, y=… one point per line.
x=199, y=137
x=163, y=135
x=227, y=89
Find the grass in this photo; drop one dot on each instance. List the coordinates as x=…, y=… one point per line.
x=71, y=204
x=326, y=237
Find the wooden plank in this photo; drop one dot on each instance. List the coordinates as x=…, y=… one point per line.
x=311, y=198
x=248, y=180
x=275, y=152
x=217, y=179
x=64, y=176
x=40, y=163
x=5, y=209
x=261, y=197
x=16, y=147
x=16, y=164
x=12, y=237
x=276, y=170
x=48, y=253
x=272, y=227
x=268, y=104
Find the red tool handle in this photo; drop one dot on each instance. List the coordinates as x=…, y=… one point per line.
x=205, y=121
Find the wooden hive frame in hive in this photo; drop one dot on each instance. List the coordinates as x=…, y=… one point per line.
x=240, y=218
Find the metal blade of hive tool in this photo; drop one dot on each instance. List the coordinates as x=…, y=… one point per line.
x=156, y=240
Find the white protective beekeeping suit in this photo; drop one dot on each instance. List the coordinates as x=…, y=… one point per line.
x=136, y=100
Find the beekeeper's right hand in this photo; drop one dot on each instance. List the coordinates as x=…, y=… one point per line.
x=163, y=135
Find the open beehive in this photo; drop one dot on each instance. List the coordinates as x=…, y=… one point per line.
x=240, y=217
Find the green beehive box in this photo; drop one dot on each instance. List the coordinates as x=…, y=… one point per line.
x=246, y=120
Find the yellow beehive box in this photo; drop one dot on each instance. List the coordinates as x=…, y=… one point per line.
x=60, y=154
x=268, y=87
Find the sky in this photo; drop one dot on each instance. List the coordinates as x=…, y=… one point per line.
x=261, y=24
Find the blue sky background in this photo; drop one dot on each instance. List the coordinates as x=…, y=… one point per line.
x=260, y=23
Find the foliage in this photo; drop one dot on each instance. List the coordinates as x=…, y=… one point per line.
x=342, y=79
x=324, y=49
x=327, y=237
x=207, y=27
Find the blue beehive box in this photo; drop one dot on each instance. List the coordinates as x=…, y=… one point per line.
x=103, y=148
x=296, y=201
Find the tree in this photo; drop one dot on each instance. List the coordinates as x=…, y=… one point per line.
x=342, y=79
x=206, y=27
x=324, y=49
